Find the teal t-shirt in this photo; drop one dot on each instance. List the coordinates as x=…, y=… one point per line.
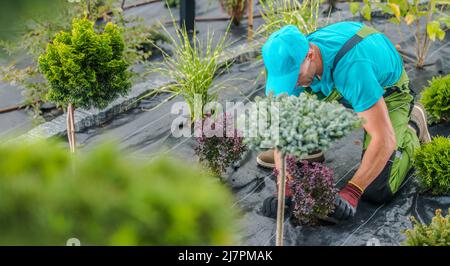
x=363, y=72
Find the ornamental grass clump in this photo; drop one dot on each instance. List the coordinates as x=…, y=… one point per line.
x=437, y=233
x=193, y=66
x=432, y=163
x=436, y=99
x=279, y=13
x=313, y=190
x=219, y=143
x=235, y=9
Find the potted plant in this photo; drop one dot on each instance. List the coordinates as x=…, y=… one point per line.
x=432, y=163
x=219, y=143
x=436, y=99
x=85, y=69
x=295, y=126
x=236, y=9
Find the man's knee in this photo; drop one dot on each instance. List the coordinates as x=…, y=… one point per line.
x=379, y=195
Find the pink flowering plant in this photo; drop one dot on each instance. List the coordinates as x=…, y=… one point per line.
x=220, y=144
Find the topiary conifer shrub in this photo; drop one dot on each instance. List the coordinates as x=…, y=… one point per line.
x=85, y=68
x=436, y=99
x=432, y=163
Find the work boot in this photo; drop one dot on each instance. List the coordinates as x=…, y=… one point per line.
x=419, y=123
x=266, y=159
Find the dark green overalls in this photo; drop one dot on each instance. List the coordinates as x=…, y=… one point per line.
x=399, y=102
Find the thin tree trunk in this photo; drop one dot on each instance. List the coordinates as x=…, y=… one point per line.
x=69, y=139
x=250, y=20
x=71, y=128
x=74, y=142
x=123, y=4
x=281, y=203
x=88, y=8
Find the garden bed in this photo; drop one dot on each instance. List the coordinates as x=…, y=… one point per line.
x=146, y=132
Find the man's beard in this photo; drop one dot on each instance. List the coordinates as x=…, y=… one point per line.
x=308, y=82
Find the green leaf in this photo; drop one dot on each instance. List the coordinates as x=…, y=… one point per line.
x=441, y=34
x=394, y=20
x=410, y=18
x=433, y=29
x=395, y=10
x=354, y=7
x=384, y=8
x=422, y=13
x=366, y=12
x=446, y=21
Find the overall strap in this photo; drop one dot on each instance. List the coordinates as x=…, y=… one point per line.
x=350, y=43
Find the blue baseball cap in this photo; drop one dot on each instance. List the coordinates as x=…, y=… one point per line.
x=283, y=53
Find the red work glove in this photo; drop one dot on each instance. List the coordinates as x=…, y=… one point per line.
x=345, y=203
x=351, y=193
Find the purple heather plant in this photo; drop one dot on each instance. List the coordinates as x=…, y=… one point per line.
x=220, y=144
x=313, y=190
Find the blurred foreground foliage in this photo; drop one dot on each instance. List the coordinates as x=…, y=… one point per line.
x=101, y=197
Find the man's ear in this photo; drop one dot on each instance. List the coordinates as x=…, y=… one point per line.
x=310, y=55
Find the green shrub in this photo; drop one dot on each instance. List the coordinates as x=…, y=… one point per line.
x=85, y=68
x=437, y=233
x=104, y=198
x=436, y=98
x=432, y=162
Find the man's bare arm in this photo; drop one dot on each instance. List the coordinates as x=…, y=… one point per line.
x=382, y=145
